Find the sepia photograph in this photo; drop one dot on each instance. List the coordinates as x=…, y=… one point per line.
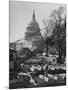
x=37, y=44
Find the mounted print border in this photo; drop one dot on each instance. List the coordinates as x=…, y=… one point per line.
x=37, y=44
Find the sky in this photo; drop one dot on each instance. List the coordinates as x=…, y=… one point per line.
x=20, y=15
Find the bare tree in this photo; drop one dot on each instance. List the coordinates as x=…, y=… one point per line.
x=58, y=23
x=55, y=31
x=48, y=35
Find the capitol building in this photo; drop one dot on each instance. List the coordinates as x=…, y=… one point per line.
x=32, y=37
x=32, y=34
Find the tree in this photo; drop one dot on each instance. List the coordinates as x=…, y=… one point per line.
x=58, y=24
x=48, y=35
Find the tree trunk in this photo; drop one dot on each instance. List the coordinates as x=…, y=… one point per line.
x=60, y=57
x=47, y=51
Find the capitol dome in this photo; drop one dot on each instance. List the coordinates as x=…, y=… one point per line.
x=32, y=28
x=32, y=34
x=33, y=23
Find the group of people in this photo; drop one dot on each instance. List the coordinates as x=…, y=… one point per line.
x=33, y=71
x=33, y=67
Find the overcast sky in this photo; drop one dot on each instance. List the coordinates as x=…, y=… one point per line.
x=21, y=14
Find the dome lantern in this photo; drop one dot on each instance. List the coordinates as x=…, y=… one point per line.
x=33, y=15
